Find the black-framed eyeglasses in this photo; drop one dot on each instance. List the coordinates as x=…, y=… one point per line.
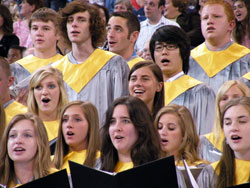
x=159, y=47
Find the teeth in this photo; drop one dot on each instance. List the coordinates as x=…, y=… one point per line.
x=118, y=137
x=70, y=133
x=19, y=149
x=235, y=137
x=139, y=91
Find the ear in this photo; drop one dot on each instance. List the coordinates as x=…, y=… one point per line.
x=161, y=8
x=232, y=25
x=133, y=36
x=159, y=87
x=11, y=81
x=33, y=7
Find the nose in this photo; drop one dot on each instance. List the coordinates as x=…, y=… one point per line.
x=44, y=91
x=74, y=23
x=118, y=126
x=165, y=51
x=163, y=131
x=19, y=139
x=235, y=127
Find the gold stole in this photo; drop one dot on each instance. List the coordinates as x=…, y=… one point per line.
x=132, y=62
x=31, y=63
x=120, y=166
x=52, y=129
x=210, y=137
x=175, y=88
x=76, y=156
x=242, y=171
x=213, y=62
x=247, y=76
x=13, y=109
x=77, y=76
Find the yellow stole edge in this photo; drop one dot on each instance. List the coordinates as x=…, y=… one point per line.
x=31, y=62
x=175, y=88
x=132, y=62
x=247, y=76
x=52, y=129
x=13, y=109
x=213, y=62
x=211, y=139
x=77, y=76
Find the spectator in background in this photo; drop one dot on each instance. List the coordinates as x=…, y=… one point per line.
x=123, y=6
x=153, y=11
x=55, y=4
x=7, y=38
x=21, y=27
x=190, y=22
x=15, y=53
x=241, y=32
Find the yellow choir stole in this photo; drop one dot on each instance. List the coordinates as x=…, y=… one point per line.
x=210, y=137
x=213, y=62
x=242, y=171
x=132, y=62
x=31, y=63
x=78, y=75
x=175, y=88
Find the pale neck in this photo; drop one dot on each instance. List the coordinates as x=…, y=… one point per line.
x=81, y=52
x=46, y=53
x=124, y=157
x=24, y=171
x=155, y=21
x=214, y=45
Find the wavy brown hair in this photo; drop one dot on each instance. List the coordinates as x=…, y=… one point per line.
x=91, y=115
x=146, y=148
x=97, y=25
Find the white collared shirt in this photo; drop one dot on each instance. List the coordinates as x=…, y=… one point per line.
x=148, y=29
x=180, y=74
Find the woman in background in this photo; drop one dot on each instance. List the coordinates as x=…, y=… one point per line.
x=241, y=32
x=7, y=38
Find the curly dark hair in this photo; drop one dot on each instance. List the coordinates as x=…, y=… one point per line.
x=147, y=146
x=97, y=25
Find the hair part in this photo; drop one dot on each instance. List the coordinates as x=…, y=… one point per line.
x=42, y=162
x=155, y=69
x=91, y=114
x=188, y=149
x=36, y=79
x=97, y=25
x=148, y=142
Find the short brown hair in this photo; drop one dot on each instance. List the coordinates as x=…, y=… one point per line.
x=97, y=25
x=45, y=15
x=38, y=3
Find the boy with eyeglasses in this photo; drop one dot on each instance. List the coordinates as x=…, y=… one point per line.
x=170, y=50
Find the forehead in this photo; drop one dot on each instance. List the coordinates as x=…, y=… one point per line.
x=153, y=1
x=117, y=21
x=84, y=14
x=213, y=8
x=23, y=124
x=236, y=111
x=142, y=71
x=42, y=23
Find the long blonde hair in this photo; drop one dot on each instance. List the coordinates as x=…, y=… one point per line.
x=91, y=115
x=189, y=146
x=217, y=129
x=42, y=162
x=36, y=79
